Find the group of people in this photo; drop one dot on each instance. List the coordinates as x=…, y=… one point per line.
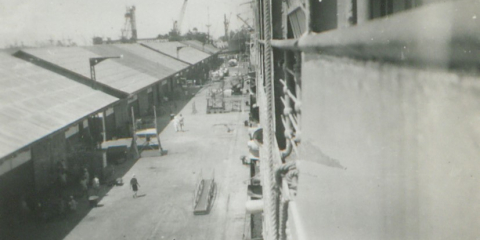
x=44, y=209
x=55, y=208
x=85, y=181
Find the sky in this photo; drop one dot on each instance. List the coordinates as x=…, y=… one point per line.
x=34, y=21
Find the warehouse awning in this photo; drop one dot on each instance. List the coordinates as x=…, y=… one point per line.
x=208, y=48
x=141, y=59
x=35, y=102
x=185, y=53
x=153, y=56
x=109, y=72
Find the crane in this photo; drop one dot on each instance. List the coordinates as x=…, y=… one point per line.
x=208, y=25
x=177, y=25
x=244, y=21
x=227, y=23
x=130, y=25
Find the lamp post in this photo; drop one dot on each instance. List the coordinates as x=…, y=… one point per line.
x=95, y=61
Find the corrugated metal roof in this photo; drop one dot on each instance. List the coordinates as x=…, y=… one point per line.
x=208, y=48
x=153, y=56
x=187, y=54
x=35, y=102
x=135, y=56
x=108, y=72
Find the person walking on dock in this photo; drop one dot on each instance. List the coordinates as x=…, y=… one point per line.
x=135, y=185
x=96, y=185
x=180, y=122
x=176, y=123
x=83, y=185
x=72, y=204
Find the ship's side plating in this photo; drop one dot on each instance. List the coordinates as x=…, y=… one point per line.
x=370, y=118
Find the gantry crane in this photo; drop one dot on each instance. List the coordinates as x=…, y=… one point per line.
x=244, y=21
x=227, y=23
x=177, y=25
x=130, y=26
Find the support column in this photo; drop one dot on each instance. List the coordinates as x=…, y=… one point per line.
x=345, y=13
x=363, y=11
x=104, y=152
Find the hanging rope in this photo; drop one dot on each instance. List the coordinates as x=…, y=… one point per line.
x=283, y=219
x=271, y=213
